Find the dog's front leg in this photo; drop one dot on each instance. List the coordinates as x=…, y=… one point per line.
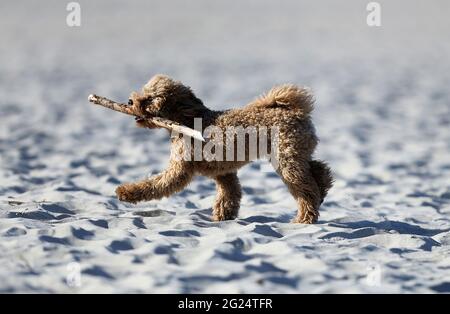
x=170, y=181
x=228, y=197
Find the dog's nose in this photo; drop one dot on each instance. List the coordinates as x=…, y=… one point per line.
x=130, y=102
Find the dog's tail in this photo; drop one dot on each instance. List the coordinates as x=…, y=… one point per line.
x=322, y=174
x=288, y=96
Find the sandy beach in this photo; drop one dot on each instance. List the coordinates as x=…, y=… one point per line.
x=382, y=114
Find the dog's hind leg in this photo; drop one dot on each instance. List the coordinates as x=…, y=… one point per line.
x=322, y=174
x=298, y=177
x=226, y=205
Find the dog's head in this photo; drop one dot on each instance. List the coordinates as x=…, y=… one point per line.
x=163, y=97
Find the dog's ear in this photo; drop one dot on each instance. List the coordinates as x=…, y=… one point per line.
x=190, y=107
x=187, y=110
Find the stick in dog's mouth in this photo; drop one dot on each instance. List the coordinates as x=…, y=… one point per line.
x=107, y=103
x=161, y=122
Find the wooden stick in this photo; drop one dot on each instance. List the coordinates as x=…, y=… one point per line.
x=105, y=102
x=161, y=122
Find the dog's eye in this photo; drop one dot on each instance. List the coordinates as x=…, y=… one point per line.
x=130, y=101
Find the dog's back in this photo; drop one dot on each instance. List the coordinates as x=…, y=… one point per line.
x=285, y=106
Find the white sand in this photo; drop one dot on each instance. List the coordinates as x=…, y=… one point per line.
x=383, y=115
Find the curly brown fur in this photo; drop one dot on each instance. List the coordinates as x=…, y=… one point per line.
x=287, y=107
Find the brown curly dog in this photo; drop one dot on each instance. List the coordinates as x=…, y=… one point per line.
x=286, y=107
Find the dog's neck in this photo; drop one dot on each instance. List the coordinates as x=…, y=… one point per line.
x=209, y=117
x=206, y=116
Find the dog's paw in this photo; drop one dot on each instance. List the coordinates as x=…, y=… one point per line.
x=306, y=219
x=221, y=217
x=225, y=209
x=126, y=193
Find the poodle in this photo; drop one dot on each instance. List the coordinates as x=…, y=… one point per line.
x=286, y=107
